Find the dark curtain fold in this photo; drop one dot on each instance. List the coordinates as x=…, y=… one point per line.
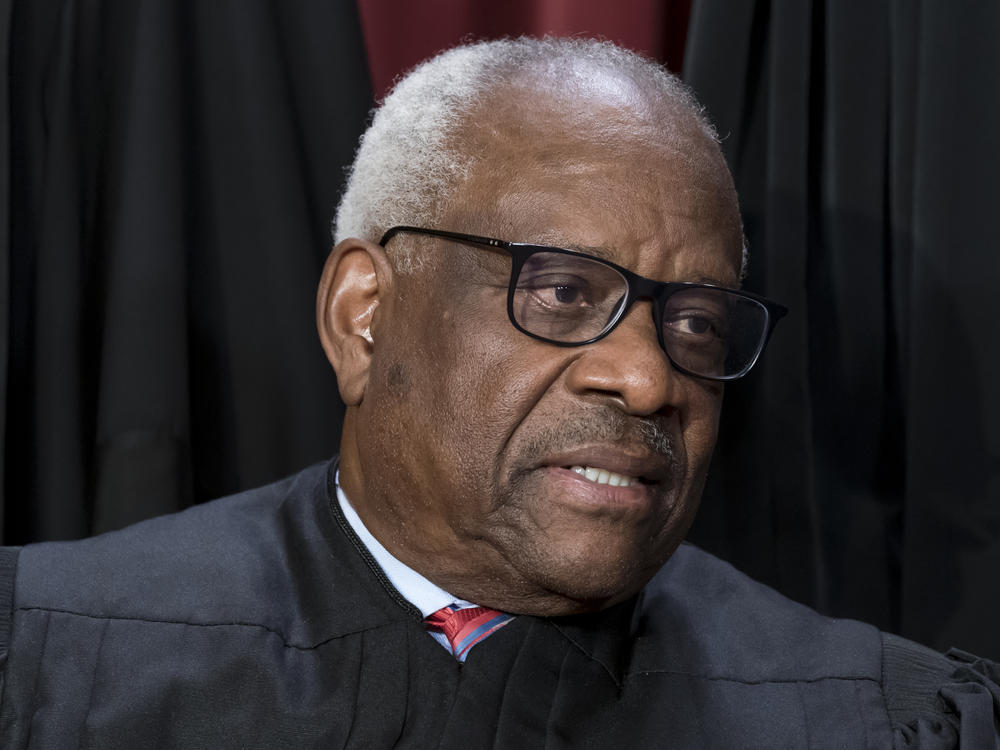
x=858, y=469
x=174, y=165
x=6, y=7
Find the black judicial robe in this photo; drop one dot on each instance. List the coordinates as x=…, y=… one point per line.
x=260, y=621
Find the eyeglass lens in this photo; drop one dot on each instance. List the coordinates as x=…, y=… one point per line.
x=570, y=299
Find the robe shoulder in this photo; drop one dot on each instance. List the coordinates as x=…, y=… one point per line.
x=739, y=629
x=704, y=619
x=262, y=558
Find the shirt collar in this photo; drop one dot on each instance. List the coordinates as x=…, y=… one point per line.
x=417, y=590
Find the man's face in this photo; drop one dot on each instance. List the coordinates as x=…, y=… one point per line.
x=469, y=431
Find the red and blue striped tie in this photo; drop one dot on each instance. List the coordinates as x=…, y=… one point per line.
x=464, y=628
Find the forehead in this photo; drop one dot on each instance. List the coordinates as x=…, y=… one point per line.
x=617, y=178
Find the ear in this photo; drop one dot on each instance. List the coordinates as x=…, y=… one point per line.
x=354, y=281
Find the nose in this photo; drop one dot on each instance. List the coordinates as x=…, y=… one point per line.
x=629, y=366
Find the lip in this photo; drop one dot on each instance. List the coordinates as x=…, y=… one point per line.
x=582, y=494
x=649, y=468
x=655, y=473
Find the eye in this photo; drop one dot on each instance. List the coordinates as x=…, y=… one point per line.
x=693, y=324
x=700, y=323
x=562, y=296
x=565, y=294
x=560, y=291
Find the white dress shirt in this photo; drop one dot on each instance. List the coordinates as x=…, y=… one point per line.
x=421, y=593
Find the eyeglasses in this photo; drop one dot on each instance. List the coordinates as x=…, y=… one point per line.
x=568, y=298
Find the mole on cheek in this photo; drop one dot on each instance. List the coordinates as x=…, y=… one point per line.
x=397, y=379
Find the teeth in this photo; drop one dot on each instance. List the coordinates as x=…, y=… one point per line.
x=603, y=476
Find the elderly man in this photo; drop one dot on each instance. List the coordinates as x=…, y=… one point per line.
x=531, y=309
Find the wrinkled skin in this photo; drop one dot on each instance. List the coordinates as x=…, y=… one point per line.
x=460, y=428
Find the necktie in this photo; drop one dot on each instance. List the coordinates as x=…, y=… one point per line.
x=464, y=628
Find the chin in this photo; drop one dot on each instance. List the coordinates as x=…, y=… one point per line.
x=577, y=601
x=568, y=558
x=588, y=584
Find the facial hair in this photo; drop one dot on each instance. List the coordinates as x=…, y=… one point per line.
x=608, y=426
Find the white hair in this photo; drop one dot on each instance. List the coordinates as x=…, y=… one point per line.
x=409, y=161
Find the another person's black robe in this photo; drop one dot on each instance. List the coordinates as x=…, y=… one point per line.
x=260, y=621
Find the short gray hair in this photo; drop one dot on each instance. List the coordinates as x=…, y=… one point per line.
x=409, y=161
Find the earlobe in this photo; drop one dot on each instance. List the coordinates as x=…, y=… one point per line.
x=350, y=290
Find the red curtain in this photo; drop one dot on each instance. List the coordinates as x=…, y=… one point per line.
x=399, y=34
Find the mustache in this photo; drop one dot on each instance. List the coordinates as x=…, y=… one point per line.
x=606, y=427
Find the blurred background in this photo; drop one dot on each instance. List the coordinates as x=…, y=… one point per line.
x=169, y=171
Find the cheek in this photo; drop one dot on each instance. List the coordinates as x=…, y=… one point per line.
x=499, y=382
x=452, y=382
x=444, y=384
x=474, y=354
x=700, y=424
x=488, y=390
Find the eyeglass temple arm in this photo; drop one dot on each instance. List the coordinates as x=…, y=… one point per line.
x=472, y=238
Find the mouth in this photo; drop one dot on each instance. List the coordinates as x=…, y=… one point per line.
x=599, y=475
x=614, y=466
x=607, y=481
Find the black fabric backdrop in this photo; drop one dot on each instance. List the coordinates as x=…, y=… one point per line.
x=173, y=169
x=174, y=163
x=858, y=469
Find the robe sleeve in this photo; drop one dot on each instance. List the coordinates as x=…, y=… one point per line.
x=940, y=700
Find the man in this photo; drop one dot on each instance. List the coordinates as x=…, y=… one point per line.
x=494, y=558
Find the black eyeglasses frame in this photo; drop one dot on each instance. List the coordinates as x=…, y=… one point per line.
x=638, y=287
